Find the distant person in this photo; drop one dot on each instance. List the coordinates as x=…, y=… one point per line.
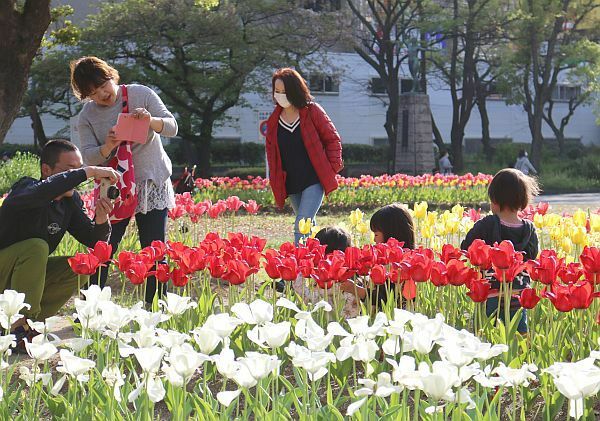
x=5, y=157
x=523, y=164
x=445, y=164
x=146, y=189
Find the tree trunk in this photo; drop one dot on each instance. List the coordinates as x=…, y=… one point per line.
x=203, y=143
x=39, y=135
x=20, y=34
x=437, y=135
x=488, y=150
x=456, y=138
x=537, y=138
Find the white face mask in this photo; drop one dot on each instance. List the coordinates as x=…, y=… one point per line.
x=282, y=100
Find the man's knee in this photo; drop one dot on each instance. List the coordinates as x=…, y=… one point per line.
x=32, y=247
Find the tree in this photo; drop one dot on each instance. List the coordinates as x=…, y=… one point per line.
x=383, y=26
x=202, y=55
x=544, y=40
x=471, y=31
x=49, y=88
x=22, y=25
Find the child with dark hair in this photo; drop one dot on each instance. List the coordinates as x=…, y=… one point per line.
x=334, y=238
x=391, y=221
x=510, y=191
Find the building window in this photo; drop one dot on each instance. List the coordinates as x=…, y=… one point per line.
x=565, y=92
x=324, y=84
x=406, y=85
x=323, y=5
x=376, y=86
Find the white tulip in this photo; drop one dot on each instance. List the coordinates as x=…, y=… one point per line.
x=576, y=381
x=114, y=379
x=170, y=338
x=114, y=316
x=314, y=362
x=74, y=366
x=404, y=372
x=40, y=352
x=260, y=365
x=96, y=295
x=176, y=304
x=257, y=313
x=300, y=314
x=225, y=398
x=222, y=324
x=438, y=381
x=185, y=360
x=77, y=344
x=355, y=406
x=6, y=342
x=29, y=377
x=206, y=338
x=225, y=363
x=11, y=303
x=147, y=319
x=271, y=335
x=57, y=387
x=149, y=358
x=155, y=389
x=516, y=376
x=382, y=388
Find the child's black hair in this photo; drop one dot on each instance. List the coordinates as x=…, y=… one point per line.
x=395, y=221
x=511, y=189
x=334, y=238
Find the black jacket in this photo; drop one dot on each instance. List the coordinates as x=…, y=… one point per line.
x=30, y=211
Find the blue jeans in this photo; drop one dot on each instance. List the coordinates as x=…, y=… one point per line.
x=306, y=204
x=491, y=307
x=151, y=226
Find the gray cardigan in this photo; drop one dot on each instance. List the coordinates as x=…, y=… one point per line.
x=150, y=159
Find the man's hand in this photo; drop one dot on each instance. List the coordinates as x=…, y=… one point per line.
x=103, y=209
x=102, y=172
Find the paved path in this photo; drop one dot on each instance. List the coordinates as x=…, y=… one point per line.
x=584, y=200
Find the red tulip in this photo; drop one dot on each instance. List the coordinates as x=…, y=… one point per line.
x=479, y=291
x=338, y=270
x=459, y=274
x=409, y=289
x=137, y=272
x=288, y=268
x=420, y=266
x=545, y=268
x=102, y=250
x=234, y=203
x=560, y=299
x=162, y=273
x=251, y=207
x=237, y=272
x=216, y=266
x=508, y=274
x=160, y=249
x=590, y=259
x=179, y=278
x=271, y=263
x=125, y=259
x=177, y=212
x=378, y=275
x=581, y=295
x=570, y=273
x=306, y=267
x=439, y=274
x=321, y=276
x=479, y=254
x=504, y=255
x=84, y=264
x=450, y=252
x=529, y=298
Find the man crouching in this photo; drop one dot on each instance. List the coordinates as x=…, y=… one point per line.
x=34, y=217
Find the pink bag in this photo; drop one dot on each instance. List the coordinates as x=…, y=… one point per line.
x=126, y=203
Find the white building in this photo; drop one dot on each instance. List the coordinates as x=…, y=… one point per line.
x=356, y=104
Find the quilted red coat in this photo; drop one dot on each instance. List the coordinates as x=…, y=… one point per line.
x=322, y=143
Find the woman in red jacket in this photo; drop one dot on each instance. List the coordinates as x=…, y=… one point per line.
x=304, y=150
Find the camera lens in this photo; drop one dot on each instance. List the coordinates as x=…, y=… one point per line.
x=112, y=192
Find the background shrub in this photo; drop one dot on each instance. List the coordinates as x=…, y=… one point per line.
x=22, y=164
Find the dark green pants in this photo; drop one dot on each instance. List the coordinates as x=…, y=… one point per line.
x=47, y=282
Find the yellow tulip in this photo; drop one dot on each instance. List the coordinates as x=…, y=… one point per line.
x=595, y=222
x=458, y=210
x=371, y=237
x=420, y=210
x=431, y=217
x=579, y=236
x=427, y=231
x=566, y=245
x=362, y=227
x=551, y=219
x=304, y=226
x=538, y=220
x=580, y=218
x=452, y=226
x=356, y=217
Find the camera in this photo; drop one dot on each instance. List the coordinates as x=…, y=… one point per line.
x=108, y=190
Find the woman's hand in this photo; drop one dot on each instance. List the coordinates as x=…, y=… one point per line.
x=157, y=124
x=110, y=143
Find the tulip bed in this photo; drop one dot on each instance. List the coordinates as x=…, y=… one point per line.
x=222, y=344
x=366, y=191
